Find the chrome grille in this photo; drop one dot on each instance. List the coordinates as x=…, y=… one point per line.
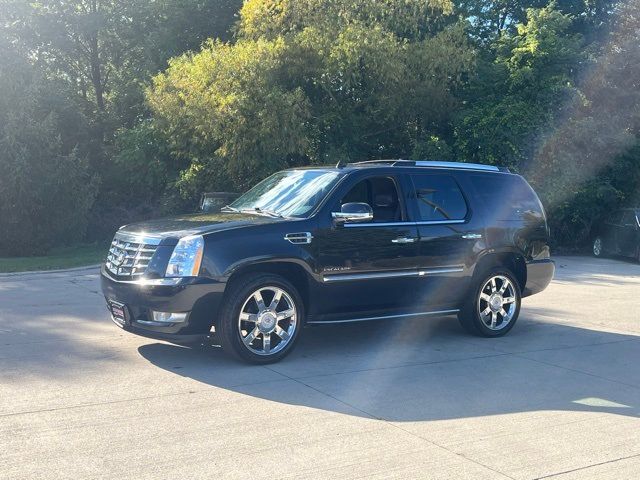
x=129, y=256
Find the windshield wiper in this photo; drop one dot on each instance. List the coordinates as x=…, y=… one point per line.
x=229, y=208
x=261, y=211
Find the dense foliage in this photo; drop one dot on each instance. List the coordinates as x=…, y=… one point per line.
x=46, y=188
x=112, y=111
x=314, y=84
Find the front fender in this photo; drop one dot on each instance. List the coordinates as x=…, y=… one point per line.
x=228, y=252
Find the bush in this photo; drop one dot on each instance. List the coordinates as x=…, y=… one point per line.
x=46, y=191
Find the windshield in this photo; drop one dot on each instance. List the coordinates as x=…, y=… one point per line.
x=291, y=193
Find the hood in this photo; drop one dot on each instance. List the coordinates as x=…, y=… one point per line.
x=196, y=224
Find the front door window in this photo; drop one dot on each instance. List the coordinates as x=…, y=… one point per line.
x=382, y=196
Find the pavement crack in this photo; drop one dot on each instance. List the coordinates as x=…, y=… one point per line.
x=405, y=365
x=135, y=399
x=568, y=347
x=586, y=467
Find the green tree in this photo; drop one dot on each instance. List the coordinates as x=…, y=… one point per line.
x=96, y=56
x=590, y=163
x=516, y=98
x=100, y=46
x=490, y=20
x=46, y=190
x=311, y=82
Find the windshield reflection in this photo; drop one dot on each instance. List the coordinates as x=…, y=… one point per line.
x=291, y=193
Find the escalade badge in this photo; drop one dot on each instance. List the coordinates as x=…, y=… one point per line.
x=336, y=269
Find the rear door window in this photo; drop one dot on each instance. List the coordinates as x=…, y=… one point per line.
x=507, y=197
x=438, y=198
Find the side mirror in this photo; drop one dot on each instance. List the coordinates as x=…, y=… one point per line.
x=353, y=212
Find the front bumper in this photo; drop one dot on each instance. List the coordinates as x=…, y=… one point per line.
x=200, y=297
x=539, y=275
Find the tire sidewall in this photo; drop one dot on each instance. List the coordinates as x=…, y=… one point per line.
x=233, y=303
x=482, y=329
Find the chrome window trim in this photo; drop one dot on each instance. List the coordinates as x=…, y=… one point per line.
x=383, y=317
x=441, y=222
x=346, y=277
x=379, y=224
x=405, y=224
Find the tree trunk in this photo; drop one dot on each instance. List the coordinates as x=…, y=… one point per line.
x=96, y=73
x=94, y=59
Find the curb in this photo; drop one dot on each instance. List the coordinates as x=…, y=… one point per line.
x=44, y=272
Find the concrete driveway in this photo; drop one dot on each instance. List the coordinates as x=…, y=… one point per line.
x=558, y=397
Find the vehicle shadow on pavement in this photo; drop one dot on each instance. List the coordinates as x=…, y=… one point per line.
x=429, y=369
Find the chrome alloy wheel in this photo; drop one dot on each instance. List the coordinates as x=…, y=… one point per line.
x=267, y=321
x=597, y=247
x=497, y=302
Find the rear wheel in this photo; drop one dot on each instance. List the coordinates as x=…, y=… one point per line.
x=598, y=247
x=494, y=306
x=261, y=319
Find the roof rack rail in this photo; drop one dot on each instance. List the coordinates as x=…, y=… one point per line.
x=391, y=163
x=460, y=165
x=435, y=164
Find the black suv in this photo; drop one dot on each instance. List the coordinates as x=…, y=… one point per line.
x=367, y=241
x=619, y=235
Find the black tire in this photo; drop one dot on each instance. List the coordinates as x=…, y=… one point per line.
x=470, y=317
x=228, y=325
x=597, y=248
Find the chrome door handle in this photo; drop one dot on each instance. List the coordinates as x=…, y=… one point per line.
x=471, y=236
x=404, y=240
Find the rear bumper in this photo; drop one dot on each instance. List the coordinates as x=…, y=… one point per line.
x=539, y=275
x=200, y=297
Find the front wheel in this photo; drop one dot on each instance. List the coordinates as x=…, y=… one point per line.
x=494, y=306
x=261, y=318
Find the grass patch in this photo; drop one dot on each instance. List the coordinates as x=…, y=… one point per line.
x=58, y=258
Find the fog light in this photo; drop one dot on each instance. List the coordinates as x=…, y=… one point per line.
x=169, y=317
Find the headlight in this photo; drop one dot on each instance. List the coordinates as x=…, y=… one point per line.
x=186, y=257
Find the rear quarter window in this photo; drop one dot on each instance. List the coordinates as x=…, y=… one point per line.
x=507, y=197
